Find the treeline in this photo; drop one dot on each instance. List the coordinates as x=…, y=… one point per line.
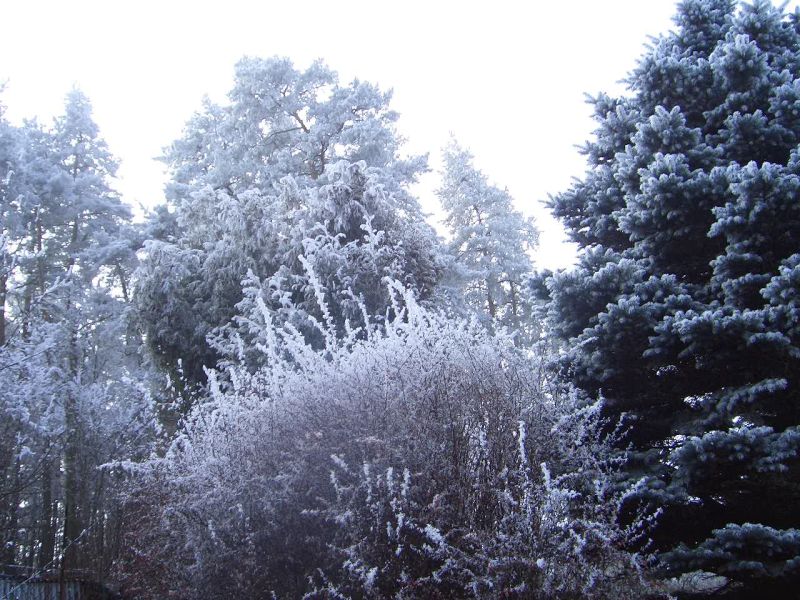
x=283, y=383
x=73, y=384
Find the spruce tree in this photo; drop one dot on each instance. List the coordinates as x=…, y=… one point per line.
x=683, y=309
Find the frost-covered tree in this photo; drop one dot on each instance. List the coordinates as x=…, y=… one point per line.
x=296, y=164
x=8, y=151
x=285, y=121
x=417, y=457
x=74, y=391
x=490, y=241
x=682, y=309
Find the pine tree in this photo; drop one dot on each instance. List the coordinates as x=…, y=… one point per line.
x=73, y=392
x=682, y=309
x=490, y=240
x=296, y=164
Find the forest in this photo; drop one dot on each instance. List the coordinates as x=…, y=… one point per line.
x=285, y=382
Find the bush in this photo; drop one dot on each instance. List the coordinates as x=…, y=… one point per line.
x=423, y=458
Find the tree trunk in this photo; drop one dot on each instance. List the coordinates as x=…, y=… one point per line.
x=514, y=303
x=490, y=304
x=3, y=292
x=47, y=536
x=10, y=506
x=490, y=300
x=122, y=283
x=72, y=526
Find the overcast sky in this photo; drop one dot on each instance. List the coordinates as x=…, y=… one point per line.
x=507, y=78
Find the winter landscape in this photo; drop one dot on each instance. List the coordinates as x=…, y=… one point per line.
x=287, y=378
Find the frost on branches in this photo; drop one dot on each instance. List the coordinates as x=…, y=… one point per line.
x=489, y=245
x=416, y=456
x=683, y=309
x=296, y=164
x=74, y=393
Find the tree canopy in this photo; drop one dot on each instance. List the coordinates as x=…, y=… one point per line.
x=296, y=165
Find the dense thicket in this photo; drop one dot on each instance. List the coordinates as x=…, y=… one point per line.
x=425, y=458
x=682, y=311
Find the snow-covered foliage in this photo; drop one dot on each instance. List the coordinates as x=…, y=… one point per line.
x=296, y=164
x=682, y=310
x=415, y=457
x=489, y=245
x=73, y=390
x=368, y=414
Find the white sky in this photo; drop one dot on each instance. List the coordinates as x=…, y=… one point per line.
x=506, y=77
